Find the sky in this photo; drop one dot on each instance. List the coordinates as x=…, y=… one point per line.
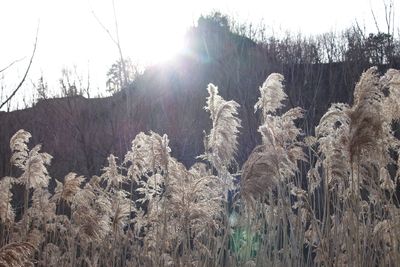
x=150, y=32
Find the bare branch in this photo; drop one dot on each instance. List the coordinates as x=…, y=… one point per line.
x=26, y=72
x=116, y=41
x=104, y=28
x=119, y=47
x=359, y=30
x=374, y=17
x=11, y=64
x=387, y=15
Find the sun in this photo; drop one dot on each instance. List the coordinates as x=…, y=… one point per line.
x=161, y=39
x=163, y=48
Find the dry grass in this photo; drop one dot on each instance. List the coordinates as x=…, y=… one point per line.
x=153, y=211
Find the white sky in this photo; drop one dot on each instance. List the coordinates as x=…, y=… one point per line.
x=150, y=31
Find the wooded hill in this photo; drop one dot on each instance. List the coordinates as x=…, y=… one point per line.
x=169, y=98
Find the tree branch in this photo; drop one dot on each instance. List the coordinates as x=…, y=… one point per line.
x=374, y=17
x=11, y=64
x=104, y=28
x=125, y=79
x=26, y=72
x=116, y=41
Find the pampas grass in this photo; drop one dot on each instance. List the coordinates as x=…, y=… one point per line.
x=151, y=210
x=6, y=210
x=67, y=190
x=221, y=143
x=16, y=254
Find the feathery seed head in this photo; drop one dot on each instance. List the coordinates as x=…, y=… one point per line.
x=221, y=144
x=18, y=254
x=111, y=173
x=19, y=147
x=149, y=153
x=272, y=95
x=35, y=172
x=366, y=122
x=68, y=190
x=391, y=80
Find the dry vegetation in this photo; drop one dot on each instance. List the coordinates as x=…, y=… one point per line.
x=325, y=200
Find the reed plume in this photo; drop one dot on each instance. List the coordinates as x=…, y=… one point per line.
x=67, y=190
x=276, y=159
x=221, y=143
x=111, y=173
x=7, y=214
x=16, y=254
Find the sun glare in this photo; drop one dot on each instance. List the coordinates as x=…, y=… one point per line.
x=161, y=33
x=159, y=50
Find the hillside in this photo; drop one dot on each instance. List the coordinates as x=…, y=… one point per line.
x=169, y=98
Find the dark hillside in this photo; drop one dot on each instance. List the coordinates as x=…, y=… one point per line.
x=80, y=133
